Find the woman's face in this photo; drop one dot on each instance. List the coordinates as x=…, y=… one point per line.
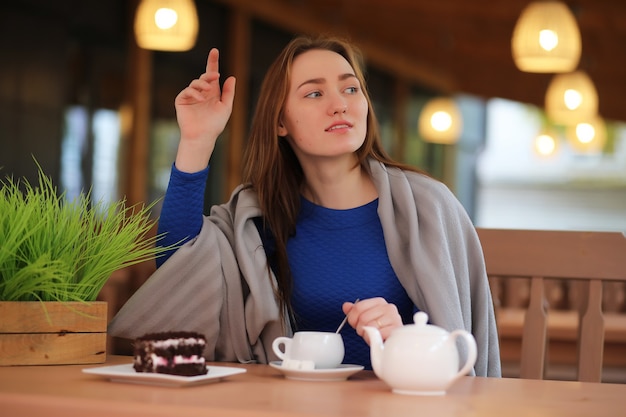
x=325, y=114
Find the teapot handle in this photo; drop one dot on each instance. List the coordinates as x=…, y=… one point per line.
x=471, y=351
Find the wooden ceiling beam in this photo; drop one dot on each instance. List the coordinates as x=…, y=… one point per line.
x=293, y=19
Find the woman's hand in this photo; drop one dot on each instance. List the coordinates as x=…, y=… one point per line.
x=374, y=312
x=202, y=111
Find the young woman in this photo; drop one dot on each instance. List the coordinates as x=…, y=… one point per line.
x=323, y=217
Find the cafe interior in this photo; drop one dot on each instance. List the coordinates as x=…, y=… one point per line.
x=526, y=140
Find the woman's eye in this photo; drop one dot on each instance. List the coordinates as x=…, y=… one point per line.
x=314, y=94
x=352, y=90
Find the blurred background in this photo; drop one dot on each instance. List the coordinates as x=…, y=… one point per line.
x=79, y=96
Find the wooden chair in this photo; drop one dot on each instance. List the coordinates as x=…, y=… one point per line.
x=587, y=258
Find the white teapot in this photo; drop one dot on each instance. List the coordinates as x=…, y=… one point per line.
x=420, y=359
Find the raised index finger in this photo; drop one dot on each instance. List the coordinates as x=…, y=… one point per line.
x=212, y=62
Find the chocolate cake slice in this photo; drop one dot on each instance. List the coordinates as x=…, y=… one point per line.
x=174, y=353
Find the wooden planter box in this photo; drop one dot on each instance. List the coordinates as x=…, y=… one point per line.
x=52, y=333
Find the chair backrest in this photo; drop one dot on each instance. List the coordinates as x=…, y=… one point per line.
x=587, y=258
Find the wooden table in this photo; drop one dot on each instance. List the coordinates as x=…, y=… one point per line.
x=262, y=391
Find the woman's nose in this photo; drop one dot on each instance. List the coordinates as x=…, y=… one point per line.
x=339, y=105
x=341, y=109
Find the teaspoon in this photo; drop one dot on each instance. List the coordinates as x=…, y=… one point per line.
x=345, y=319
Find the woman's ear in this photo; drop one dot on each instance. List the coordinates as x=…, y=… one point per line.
x=282, y=130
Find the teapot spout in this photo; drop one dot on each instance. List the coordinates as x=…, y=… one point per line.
x=376, y=349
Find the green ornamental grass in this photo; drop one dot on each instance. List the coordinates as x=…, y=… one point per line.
x=52, y=249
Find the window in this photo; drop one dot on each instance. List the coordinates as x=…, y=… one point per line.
x=82, y=171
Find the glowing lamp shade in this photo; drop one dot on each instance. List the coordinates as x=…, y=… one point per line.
x=166, y=25
x=587, y=136
x=571, y=98
x=440, y=121
x=546, y=38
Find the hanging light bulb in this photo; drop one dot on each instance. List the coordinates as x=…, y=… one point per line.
x=587, y=136
x=546, y=38
x=440, y=121
x=166, y=25
x=571, y=98
x=546, y=143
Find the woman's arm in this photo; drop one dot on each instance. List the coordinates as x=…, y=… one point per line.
x=181, y=214
x=202, y=111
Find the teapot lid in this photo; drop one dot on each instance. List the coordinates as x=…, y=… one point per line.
x=421, y=326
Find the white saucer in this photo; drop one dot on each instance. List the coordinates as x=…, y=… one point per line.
x=340, y=373
x=126, y=373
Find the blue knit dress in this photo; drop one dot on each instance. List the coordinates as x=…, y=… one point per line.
x=335, y=256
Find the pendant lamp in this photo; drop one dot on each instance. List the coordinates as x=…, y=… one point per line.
x=440, y=121
x=546, y=38
x=166, y=25
x=570, y=98
x=587, y=136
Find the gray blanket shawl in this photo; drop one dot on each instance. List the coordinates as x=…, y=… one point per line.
x=219, y=284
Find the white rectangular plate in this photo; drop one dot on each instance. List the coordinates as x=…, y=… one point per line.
x=127, y=374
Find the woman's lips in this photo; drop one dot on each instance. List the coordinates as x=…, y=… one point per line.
x=337, y=126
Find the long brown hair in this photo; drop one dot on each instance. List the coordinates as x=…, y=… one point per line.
x=270, y=165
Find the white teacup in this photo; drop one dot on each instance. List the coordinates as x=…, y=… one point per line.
x=322, y=349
